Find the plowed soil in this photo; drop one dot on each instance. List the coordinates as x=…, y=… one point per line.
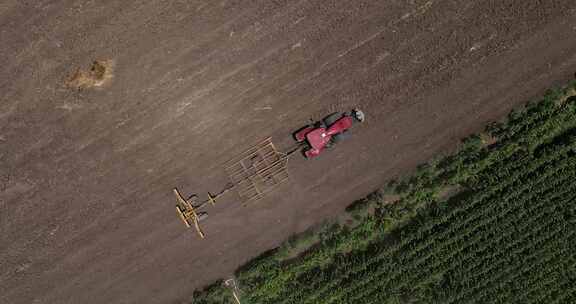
x=86, y=209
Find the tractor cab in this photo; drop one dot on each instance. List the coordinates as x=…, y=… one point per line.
x=325, y=133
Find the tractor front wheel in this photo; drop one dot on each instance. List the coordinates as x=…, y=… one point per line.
x=339, y=137
x=332, y=118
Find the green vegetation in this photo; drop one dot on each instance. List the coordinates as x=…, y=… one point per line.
x=508, y=235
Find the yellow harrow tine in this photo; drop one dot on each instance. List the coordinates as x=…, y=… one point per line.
x=180, y=198
x=212, y=198
x=182, y=216
x=200, y=233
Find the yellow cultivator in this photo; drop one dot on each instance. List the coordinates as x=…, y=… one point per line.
x=253, y=173
x=187, y=212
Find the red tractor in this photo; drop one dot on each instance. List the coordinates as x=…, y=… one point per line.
x=324, y=134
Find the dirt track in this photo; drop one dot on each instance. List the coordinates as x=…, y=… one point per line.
x=86, y=209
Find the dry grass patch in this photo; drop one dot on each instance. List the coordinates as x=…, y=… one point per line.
x=487, y=139
x=568, y=93
x=99, y=74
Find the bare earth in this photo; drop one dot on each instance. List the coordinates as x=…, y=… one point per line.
x=86, y=209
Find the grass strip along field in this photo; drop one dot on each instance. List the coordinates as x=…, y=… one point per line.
x=506, y=235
